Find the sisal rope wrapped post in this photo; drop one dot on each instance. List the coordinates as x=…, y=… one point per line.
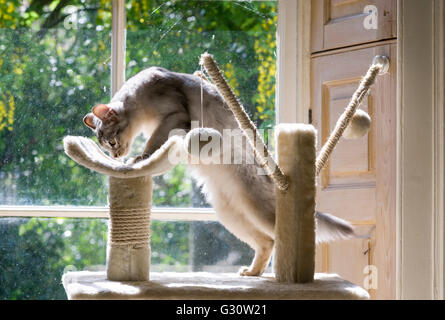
x=128, y=249
x=261, y=152
x=294, y=260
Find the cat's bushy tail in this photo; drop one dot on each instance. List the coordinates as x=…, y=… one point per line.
x=330, y=228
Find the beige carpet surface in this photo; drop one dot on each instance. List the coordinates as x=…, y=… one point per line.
x=203, y=285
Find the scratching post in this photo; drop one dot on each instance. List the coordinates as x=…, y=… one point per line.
x=128, y=250
x=130, y=195
x=295, y=207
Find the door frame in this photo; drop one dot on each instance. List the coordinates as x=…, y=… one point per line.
x=420, y=140
x=420, y=239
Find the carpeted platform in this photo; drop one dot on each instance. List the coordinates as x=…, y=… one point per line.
x=203, y=285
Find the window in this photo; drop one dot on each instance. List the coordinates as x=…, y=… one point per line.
x=54, y=65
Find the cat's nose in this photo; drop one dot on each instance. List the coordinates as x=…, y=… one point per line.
x=117, y=154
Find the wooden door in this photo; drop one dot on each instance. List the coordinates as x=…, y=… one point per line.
x=341, y=23
x=358, y=183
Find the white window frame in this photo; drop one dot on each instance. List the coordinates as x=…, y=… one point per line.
x=118, y=46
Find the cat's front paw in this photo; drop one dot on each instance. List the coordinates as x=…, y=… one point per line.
x=137, y=159
x=132, y=160
x=247, y=271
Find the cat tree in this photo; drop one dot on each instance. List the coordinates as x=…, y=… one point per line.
x=128, y=251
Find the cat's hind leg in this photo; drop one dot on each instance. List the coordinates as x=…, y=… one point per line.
x=261, y=259
x=238, y=223
x=228, y=198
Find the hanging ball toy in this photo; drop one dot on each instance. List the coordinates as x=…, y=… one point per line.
x=359, y=125
x=204, y=144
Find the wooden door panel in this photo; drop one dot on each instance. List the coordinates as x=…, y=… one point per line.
x=319, y=259
x=349, y=203
x=352, y=161
x=340, y=23
x=355, y=253
x=358, y=182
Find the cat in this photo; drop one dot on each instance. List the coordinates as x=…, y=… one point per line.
x=157, y=101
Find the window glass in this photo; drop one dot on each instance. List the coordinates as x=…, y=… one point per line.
x=55, y=65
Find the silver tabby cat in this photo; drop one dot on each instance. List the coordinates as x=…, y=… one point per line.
x=157, y=101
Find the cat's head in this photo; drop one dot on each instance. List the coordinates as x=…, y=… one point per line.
x=111, y=128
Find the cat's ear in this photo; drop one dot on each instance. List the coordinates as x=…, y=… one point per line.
x=103, y=111
x=89, y=121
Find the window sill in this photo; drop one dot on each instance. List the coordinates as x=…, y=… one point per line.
x=163, y=214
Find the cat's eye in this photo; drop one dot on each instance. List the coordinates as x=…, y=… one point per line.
x=113, y=142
